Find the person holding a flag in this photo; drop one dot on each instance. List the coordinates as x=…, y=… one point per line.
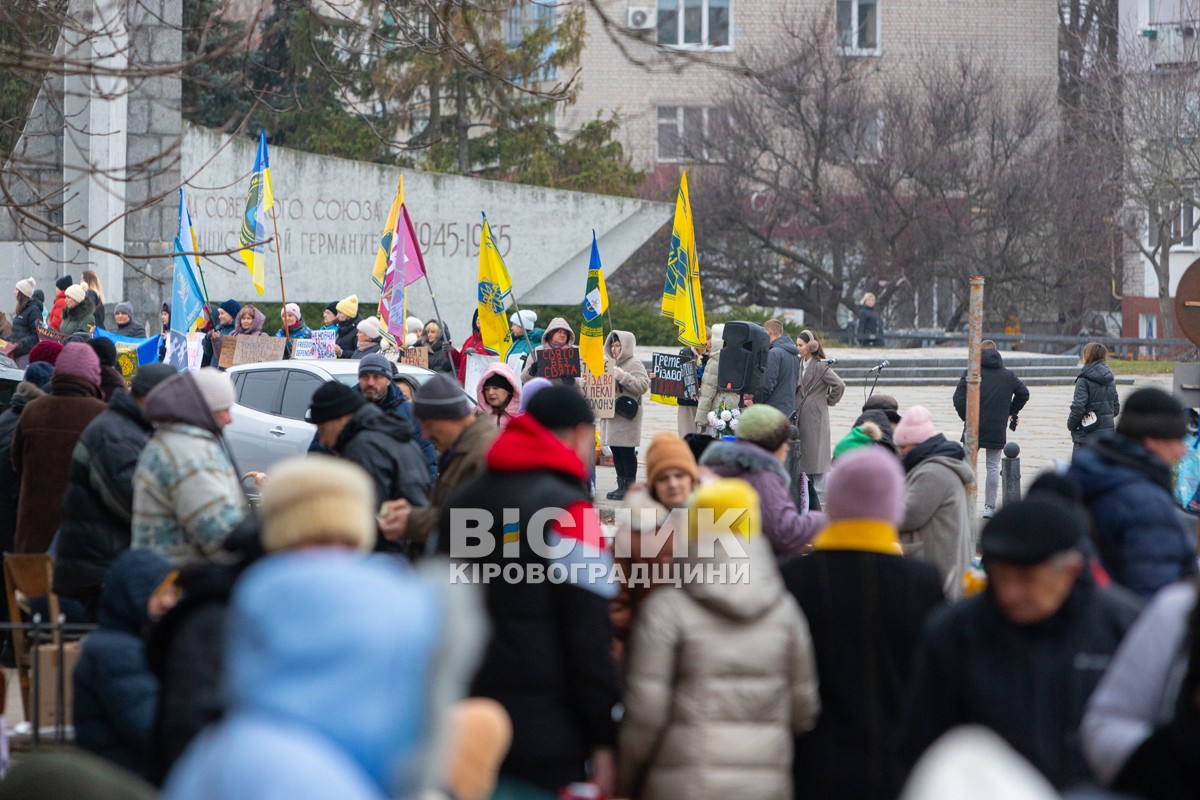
x=623, y=432
x=557, y=336
x=524, y=332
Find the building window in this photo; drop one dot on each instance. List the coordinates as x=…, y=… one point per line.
x=861, y=140
x=684, y=134
x=525, y=18
x=694, y=23
x=858, y=27
x=1183, y=228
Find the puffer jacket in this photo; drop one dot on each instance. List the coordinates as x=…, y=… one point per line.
x=440, y=356
x=79, y=318
x=1140, y=537
x=937, y=523
x=131, y=329
x=501, y=417
x=783, y=375
x=721, y=676
x=1095, y=391
x=116, y=695
x=1001, y=395
x=100, y=499
x=531, y=368
x=631, y=380
x=186, y=493
x=785, y=528
x=396, y=404
x=711, y=396
x=25, y=325
x=347, y=336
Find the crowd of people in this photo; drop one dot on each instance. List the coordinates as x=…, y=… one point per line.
x=428, y=605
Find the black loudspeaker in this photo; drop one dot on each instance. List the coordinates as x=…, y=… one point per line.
x=743, y=364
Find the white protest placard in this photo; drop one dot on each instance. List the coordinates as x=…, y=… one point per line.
x=600, y=391
x=323, y=342
x=477, y=363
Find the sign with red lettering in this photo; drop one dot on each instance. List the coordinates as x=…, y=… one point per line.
x=558, y=363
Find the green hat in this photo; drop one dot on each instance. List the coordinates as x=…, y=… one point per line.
x=859, y=436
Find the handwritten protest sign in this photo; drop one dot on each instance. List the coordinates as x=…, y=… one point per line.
x=416, y=356
x=666, y=374
x=601, y=392
x=477, y=363
x=555, y=364
x=250, y=350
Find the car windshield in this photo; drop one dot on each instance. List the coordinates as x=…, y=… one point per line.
x=348, y=378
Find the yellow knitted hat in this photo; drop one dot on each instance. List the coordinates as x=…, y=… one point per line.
x=318, y=500
x=728, y=504
x=348, y=305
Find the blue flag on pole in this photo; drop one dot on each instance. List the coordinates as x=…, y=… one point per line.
x=187, y=301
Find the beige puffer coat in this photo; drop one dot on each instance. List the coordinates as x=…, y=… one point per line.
x=720, y=678
x=632, y=381
x=710, y=396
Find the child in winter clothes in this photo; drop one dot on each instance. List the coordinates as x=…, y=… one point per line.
x=499, y=393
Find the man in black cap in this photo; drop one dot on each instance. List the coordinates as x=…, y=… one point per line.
x=376, y=382
x=448, y=418
x=383, y=445
x=1127, y=486
x=98, y=504
x=549, y=660
x=1022, y=657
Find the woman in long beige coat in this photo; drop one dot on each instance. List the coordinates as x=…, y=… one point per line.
x=620, y=434
x=820, y=387
x=721, y=675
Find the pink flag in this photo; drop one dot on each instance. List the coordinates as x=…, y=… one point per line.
x=405, y=265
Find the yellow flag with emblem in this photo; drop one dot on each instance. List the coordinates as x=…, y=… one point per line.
x=495, y=291
x=595, y=303
x=681, y=299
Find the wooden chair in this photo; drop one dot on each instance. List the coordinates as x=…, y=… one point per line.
x=27, y=576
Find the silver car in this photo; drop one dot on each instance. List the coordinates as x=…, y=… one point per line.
x=272, y=398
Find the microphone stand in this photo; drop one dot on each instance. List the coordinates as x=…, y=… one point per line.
x=878, y=371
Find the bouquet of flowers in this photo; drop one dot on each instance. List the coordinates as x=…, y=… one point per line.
x=723, y=419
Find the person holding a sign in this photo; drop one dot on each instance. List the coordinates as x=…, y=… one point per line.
x=439, y=348
x=250, y=322
x=293, y=323
x=226, y=314
x=499, y=393
x=558, y=336
x=623, y=432
x=347, y=326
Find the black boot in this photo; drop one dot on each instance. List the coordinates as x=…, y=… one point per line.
x=619, y=492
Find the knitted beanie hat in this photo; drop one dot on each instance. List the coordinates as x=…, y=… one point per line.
x=39, y=374
x=914, y=427
x=64, y=283
x=525, y=318
x=763, y=425
x=668, y=451
x=348, y=305
x=45, y=351
x=441, y=397
x=79, y=361
x=332, y=307
x=149, y=376
x=106, y=350
x=294, y=310
x=26, y=286
x=77, y=292
x=711, y=506
x=1151, y=413
x=375, y=364
x=318, y=500
x=333, y=400
x=125, y=308
x=369, y=328
x=530, y=389
x=216, y=388
x=231, y=307
x=867, y=483
x=862, y=435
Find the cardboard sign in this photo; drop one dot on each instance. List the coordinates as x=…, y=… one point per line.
x=416, y=356
x=477, y=363
x=250, y=350
x=600, y=392
x=554, y=364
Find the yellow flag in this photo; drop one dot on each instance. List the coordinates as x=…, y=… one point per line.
x=384, y=254
x=495, y=290
x=681, y=300
x=595, y=303
x=259, y=200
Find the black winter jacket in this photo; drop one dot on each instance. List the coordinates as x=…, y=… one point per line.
x=1030, y=684
x=347, y=336
x=116, y=695
x=24, y=330
x=870, y=325
x=1001, y=395
x=1095, y=391
x=783, y=375
x=439, y=357
x=134, y=330
x=98, y=504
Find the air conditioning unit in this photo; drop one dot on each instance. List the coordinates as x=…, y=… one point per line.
x=641, y=18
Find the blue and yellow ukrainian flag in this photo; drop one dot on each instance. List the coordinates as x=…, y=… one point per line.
x=259, y=201
x=681, y=300
x=187, y=301
x=595, y=303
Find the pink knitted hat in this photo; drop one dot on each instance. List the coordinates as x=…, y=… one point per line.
x=866, y=484
x=914, y=427
x=80, y=361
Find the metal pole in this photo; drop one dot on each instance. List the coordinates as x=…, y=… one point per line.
x=974, y=342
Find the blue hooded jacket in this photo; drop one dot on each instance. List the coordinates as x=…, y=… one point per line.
x=329, y=661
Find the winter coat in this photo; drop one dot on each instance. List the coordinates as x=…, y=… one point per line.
x=632, y=381
x=25, y=325
x=347, y=336
x=819, y=388
x=785, y=528
x=187, y=495
x=500, y=417
x=870, y=325
x=1095, y=391
x=721, y=676
x=57, y=309
x=937, y=523
x=98, y=304
x=1138, y=532
x=628, y=554
x=459, y=464
x=548, y=660
x=711, y=396
x=116, y=694
x=298, y=331
x=531, y=364
x=865, y=606
x=315, y=712
x=396, y=404
x=100, y=499
x=1028, y=683
x=366, y=350
x=10, y=479
x=783, y=376
x=386, y=448
x=521, y=346
x=1001, y=395
x=78, y=319
x=439, y=356
x=42, y=445
x=212, y=345
x=1139, y=695
x=134, y=330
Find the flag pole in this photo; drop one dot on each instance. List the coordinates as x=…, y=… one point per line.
x=287, y=333
x=436, y=312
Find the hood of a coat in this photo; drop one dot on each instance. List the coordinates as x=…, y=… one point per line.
x=718, y=339
x=991, y=359
x=178, y=399
x=956, y=465
x=128, y=584
x=292, y=658
x=504, y=371
x=255, y=327
x=1097, y=372
x=730, y=459
x=1111, y=460
x=368, y=417
x=628, y=343
x=21, y=396
x=526, y=446
x=935, y=446
x=744, y=599
x=786, y=344
x=558, y=324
